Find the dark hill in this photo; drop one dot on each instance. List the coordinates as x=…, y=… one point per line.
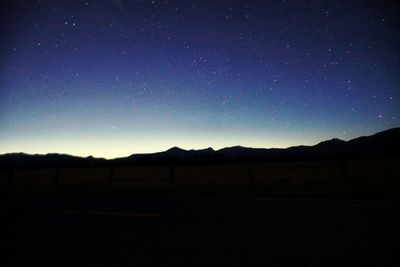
x=384, y=144
x=22, y=160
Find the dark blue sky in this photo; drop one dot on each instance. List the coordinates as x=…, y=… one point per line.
x=112, y=78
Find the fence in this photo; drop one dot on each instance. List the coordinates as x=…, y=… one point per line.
x=240, y=174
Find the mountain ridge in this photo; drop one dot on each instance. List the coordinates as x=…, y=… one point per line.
x=384, y=144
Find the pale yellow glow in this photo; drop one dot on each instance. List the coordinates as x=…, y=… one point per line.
x=126, y=145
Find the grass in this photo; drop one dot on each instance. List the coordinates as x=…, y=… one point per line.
x=319, y=179
x=284, y=188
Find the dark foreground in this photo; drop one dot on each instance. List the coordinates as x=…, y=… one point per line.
x=127, y=231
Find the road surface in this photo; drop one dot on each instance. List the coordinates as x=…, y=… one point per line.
x=149, y=231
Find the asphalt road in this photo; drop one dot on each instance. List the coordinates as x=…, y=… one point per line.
x=127, y=231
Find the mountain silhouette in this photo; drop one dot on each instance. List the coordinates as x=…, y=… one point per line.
x=385, y=144
x=175, y=151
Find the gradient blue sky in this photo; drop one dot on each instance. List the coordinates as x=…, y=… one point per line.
x=112, y=78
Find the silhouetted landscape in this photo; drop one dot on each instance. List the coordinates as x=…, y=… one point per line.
x=332, y=204
x=199, y=133
x=385, y=144
x=364, y=167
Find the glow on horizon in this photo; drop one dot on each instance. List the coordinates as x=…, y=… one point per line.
x=93, y=79
x=123, y=146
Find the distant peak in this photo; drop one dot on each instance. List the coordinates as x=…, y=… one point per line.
x=332, y=141
x=336, y=140
x=235, y=148
x=175, y=149
x=208, y=149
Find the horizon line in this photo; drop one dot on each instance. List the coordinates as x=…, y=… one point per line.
x=185, y=149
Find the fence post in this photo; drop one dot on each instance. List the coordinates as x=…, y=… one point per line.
x=10, y=176
x=57, y=175
x=343, y=170
x=171, y=174
x=250, y=175
x=111, y=175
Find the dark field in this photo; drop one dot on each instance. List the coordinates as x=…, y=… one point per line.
x=366, y=179
x=150, y=231
x=320, y=213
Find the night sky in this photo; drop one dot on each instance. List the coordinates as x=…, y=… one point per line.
x=113, y=78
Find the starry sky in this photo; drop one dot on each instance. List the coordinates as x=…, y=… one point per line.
x=111, y=78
